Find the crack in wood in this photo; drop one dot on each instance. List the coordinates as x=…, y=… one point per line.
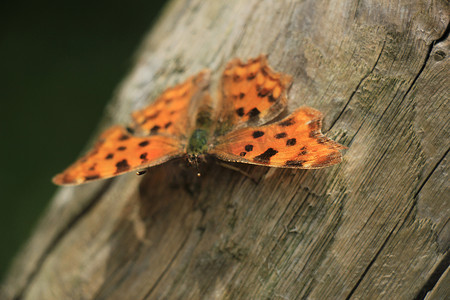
x=430, y=174
x=54, y=243
x=445, y=263
x=372, y=261
x=200, y=228
x=169, y=265
x=355, y=90
x=434, y=278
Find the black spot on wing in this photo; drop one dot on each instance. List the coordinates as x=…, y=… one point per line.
x=144, y=143
x=248, y=148
x=155, y=129
x=291, y=142
x=129, y=129
x=143, y=156
x=122, y=166
x=251, y=76
x=265, y=156
x=257, y=134
x=109, y=156
x=287, y=122
x=240, y=111
x=242, y=153
x=168, y=124
x=124, y=137
x=121, y=148
x=281, y=135
x=241, y=95
x=302, y=151
x=253, y=113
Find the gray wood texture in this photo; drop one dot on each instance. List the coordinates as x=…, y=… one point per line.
x=375, y=226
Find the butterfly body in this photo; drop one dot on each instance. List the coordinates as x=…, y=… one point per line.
x=183, y=122
x=198, y=142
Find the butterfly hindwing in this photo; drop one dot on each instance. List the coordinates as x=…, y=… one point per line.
x=251, y=94
x=118, y=152
x=294, y=142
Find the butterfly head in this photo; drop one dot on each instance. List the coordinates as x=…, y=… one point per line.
x=194, y=160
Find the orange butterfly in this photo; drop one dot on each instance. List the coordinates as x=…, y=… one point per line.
x=182, y=122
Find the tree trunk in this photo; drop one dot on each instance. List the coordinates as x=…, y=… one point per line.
x=374, y=226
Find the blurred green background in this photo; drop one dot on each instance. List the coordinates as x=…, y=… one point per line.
x=60, y=62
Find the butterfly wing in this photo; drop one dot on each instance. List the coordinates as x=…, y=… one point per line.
x=161, y=132
x=169, y=113
x=295, y=142
x=118, y=152
x=251, y=94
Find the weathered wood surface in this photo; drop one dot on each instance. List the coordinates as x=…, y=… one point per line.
x=375, y=226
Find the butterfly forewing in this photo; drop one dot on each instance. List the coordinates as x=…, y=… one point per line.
x=169, y=114
x=118, y=152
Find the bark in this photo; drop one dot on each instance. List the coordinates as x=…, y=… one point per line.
x=375, y=226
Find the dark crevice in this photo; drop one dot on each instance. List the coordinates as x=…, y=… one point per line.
x=327, y=245
x=430, y=49
x=284, y=233
x=427, y=57
x=167, y=267
x=444, y=36
x=363, y=275
x=357, y=88
x=434, y=278
x=429, y=285
x=52, y=245
x=416, y=195
x=431, y=173
x=444, y=264
x=356, y=133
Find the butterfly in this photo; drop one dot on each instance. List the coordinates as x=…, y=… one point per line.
x=184, y=121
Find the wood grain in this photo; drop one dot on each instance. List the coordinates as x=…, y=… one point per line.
x=374, y=227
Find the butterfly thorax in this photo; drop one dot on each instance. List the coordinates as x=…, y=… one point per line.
x=197, y=147
x=198, y=142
